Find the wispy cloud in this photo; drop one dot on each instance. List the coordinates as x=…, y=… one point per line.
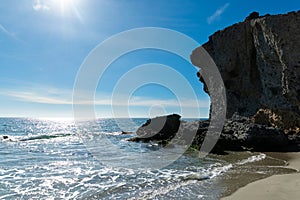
x=38, y=5
x=217, y=14
x=64, y=97
x=10, y=34
x=5, y=31
x=189, y=103
x=34, y=98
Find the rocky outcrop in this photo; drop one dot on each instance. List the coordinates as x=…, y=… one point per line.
x=159, y=128
x=259, y=61
x=243, y=134
x=238, y=134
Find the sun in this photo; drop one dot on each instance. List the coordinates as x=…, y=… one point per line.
x=70, y=8
x=65, y=8
x=65, y=5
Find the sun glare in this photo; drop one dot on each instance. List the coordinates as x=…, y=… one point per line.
x=67, y=8
x=57, y=119
x=64, y=8
x=65, y=5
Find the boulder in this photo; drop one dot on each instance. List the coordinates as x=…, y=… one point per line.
x=159, y=128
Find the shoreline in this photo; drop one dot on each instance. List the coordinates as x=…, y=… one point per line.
x=285, y=186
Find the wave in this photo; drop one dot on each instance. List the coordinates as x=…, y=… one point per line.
x=5, y=138
x=220, y=170
x=157, y=192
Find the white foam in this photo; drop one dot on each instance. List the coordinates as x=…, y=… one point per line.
x=193, y=176
x=252, y=159
x=154, y=193
x=219, y=170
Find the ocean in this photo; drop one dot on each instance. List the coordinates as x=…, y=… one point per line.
x=48, y=159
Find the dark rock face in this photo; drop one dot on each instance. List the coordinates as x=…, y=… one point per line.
x=241, y=134
x=159, y=128
x=238, y=134
x=253, y=136
x=253, y=15
x=259, y=61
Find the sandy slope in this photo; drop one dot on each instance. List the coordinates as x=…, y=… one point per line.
x=278, y=187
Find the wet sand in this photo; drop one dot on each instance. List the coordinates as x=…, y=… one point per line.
x=277, y=187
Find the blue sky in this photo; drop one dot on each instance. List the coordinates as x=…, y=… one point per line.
x=44, y=43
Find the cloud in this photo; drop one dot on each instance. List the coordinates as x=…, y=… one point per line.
x=189, y=103
x=10, y=34
x=64, y=97
x=217, y=14
x=35, y=97
x=40, y=6
x=5, y=31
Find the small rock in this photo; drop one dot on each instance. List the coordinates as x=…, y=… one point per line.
x=126, y=133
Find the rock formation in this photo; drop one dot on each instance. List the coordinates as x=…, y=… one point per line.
x=238, y=134
x=159, y=128
x=259, y=61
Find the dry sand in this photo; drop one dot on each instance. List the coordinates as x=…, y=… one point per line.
x=277, y=187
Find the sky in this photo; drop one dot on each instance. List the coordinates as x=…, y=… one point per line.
x=45, y=42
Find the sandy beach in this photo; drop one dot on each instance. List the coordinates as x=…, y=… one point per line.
x=277, y=187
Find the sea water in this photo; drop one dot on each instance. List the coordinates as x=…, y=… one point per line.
x=46, y=159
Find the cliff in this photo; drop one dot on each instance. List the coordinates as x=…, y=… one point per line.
x=259, y=61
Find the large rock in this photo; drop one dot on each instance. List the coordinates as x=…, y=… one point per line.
x=238, y=134
x=252, y=136
x=259, y=61
x=159, y=128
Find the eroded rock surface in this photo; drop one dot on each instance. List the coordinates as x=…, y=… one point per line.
x=159, y=128
x=238, y=134
x=259, y=61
